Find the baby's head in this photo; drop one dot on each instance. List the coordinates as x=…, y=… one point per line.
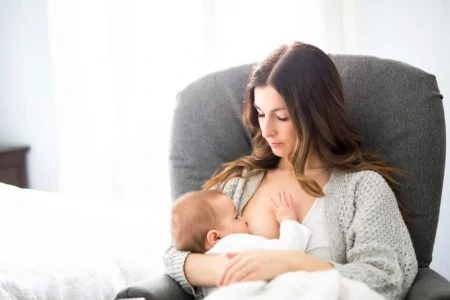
x=201, y=218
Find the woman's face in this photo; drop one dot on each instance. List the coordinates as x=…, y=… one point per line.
x=274, y=121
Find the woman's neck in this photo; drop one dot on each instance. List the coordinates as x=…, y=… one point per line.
x=283, y=164
x=313, y=163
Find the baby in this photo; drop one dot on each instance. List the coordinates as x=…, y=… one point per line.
x=208, y=222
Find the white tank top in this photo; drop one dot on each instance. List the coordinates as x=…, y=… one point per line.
x=318, y=245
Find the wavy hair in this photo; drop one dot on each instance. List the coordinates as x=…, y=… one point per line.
x=313, y=92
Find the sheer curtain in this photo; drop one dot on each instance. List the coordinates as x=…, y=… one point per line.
x=117, y=66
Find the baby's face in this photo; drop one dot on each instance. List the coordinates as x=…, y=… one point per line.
x=230, y=221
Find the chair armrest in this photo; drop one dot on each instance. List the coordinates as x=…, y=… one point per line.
x=160, y=288
x=429, y=285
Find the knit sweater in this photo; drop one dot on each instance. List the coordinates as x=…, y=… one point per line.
x=369, y=240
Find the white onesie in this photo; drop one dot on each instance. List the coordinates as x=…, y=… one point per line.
x=293, y=235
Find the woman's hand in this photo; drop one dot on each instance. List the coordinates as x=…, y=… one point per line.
x=267, y=264
x=255, y=265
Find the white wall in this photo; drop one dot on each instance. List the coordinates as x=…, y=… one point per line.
x=26, y=105
x=416, y=32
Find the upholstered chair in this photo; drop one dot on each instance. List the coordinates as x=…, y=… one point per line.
x=397, y=109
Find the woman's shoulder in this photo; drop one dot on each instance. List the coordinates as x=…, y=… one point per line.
x=358, y=190
x=247, y=175
x=352, y=181
x=357, y=177
x=239, y=185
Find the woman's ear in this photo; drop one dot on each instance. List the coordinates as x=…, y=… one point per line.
x=212, y=237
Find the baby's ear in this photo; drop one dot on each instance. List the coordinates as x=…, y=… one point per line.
x=212, y=237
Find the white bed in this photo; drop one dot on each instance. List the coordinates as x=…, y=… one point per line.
x=59, y=247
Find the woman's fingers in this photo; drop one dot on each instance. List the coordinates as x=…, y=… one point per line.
x=243, y=275
x=230, y=271
x=239, y=269
x=238, y=274
x=257, y=265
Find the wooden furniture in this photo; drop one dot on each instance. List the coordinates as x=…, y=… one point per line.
x=13, y=169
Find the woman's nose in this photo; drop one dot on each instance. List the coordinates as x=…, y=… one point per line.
x=267, y=128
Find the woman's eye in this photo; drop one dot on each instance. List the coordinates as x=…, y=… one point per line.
x=260, y=115
x=283, y=119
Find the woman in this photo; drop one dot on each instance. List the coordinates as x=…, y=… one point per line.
x=304, y=144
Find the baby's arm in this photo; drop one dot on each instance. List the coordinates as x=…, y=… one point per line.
x=293, y=234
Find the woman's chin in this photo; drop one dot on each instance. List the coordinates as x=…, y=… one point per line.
x=279, y=153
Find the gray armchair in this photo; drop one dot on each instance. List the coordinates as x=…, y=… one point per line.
x=396, y=107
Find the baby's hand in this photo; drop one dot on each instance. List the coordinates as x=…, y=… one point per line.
x=283, y=207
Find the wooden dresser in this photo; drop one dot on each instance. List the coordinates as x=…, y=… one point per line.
x=13, y=166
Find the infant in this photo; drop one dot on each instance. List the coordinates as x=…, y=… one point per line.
x=208, y=222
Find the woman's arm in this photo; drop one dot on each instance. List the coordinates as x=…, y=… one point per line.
x=174, y=267
x=204, y=270
x=268, y=264
x=191, y=270
x=379, y=249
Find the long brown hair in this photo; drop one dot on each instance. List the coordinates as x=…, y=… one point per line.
x=313, y=92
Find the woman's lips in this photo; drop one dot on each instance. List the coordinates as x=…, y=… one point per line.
x=274, y=145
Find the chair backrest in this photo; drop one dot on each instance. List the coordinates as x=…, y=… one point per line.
x=397, y=109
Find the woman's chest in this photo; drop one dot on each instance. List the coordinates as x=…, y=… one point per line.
x=258, y=211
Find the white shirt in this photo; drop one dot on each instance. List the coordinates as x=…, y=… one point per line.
x=318, y=245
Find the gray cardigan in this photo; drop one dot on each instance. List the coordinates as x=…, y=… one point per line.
x=368, y=239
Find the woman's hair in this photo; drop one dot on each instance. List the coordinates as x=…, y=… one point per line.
x=193, y=216
x=313, y=92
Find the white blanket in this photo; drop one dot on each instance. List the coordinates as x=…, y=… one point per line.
x=324, y=285
x=58, y=247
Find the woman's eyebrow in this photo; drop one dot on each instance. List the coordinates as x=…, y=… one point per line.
x=273, y=110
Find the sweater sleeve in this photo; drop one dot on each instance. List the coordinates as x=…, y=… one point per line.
x=174, y=260
x=174, y=267
x=379, y=247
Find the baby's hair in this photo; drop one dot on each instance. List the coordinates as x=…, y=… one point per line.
x=192, y=217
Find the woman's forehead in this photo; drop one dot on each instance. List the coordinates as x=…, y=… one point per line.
x=268, y=98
